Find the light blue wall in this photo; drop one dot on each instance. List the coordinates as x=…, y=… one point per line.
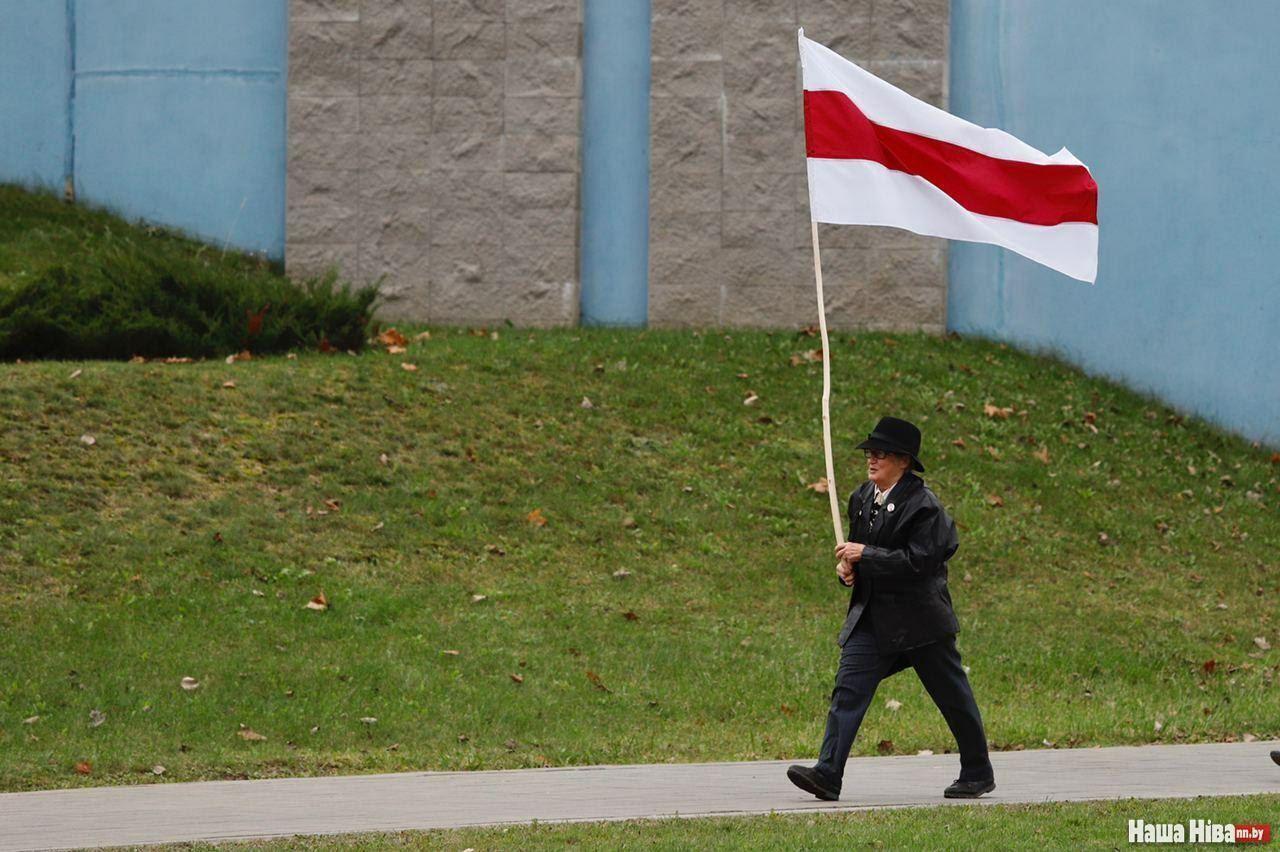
x=615, y=163
x=1173, y=106
x=35, y=77
x=177, y=109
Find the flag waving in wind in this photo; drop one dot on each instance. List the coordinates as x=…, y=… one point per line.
x=877, y=156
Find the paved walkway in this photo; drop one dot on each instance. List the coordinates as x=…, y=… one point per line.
x=225, y=810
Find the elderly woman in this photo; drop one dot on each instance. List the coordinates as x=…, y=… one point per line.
x=899, y=615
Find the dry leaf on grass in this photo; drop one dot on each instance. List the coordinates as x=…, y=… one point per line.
x=535, y=517
x=820, y=486
x=319, y=602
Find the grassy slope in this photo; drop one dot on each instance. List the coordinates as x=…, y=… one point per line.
x=1076, y=825
x=180, y=543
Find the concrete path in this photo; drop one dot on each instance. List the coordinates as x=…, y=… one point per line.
x=225, y=810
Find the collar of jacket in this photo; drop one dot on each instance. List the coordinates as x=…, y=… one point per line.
x=902, y=489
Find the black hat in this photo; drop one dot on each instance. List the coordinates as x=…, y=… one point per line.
x=895, y=436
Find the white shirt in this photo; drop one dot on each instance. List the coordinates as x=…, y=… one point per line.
x=881, y=496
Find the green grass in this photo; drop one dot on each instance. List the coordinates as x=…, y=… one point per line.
x=1075, y=825
x=188, y=538
x=78, y=281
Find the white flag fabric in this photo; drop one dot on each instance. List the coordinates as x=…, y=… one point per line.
x=878, y=156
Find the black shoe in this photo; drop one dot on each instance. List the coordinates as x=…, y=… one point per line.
x=1275, y=755
x=811, y=781
x=969, y=789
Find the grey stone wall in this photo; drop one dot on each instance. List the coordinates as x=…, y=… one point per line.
x=435, y=142
x=730, y=239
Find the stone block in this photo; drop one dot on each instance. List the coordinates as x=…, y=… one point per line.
x=395, y=30
x=323, y=78
x=697, y=39
x=301, y=11
x=683, y=78
x=543, y=10
x=540, y=264
x=685, y=135
x=770, y=10
x=762, y=191
x=466, y=152
x=689, y=265
x=467, y=115
x=765, y=152
x=687, y=9
x=681, y=231
x=685, y=307
x=910, y=29
x=532, y=190
x=540, y=226
x=557, y=116
x=466, y=227
x=470, y=10
x=848, y=34
x=770, y=306
x=395, y=114
x=322, y=42
x=913, y=268
x=388, y=222
x=774, y=116
x=541, y=76
x=540, y=152
x=321, y=220
x=469, y=191
x=778, y=229
x=406, y=267
x=467, y=78
x=763, y=267
x=385, y=187
x=304, y=186
x=323, y=151
x=455, y=39
x=547, y=39
x=396, y=76
x=307, y=260
x=681, y=191
x=323, y=115
x=407, y=151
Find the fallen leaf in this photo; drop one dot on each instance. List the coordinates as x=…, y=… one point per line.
x=535, y=517
x=893, y=704
x=885, y=746
x=996, y=412
x=820, y=486
x=751, y=398
x=1159, y=726
x=392, y=337
x=251, y=735
x=96, y=718
x=333, y=504
x=958, y=442
x=1209, y=666
x=228, y=384
x=517, y=678
x=1261, y=642
x=586, y=403
x=319, y=602
x=369, y=720
x=31, y=720
x=621, y=574
x=1104, y=539
x=478, y=598
x=786, y=709
x=422, y=335
x=451, y=652
x=995, y=500
x=629, y=523
x=396, y=350
x=495, y=550
x=190, y=684
x=409, y=367
x=630, y=616
x=88, y=439
x=924, y=752
x=1042, y=454
x=75, y=373
x=84, y=767
x=157, y=770
x=595, y=678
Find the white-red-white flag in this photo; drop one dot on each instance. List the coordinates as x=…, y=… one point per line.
x=878, y=156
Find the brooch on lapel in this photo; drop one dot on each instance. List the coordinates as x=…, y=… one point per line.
x=890, y=507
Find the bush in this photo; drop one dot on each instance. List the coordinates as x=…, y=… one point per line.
x=92, y=286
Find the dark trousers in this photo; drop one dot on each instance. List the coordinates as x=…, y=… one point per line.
x=862, y=667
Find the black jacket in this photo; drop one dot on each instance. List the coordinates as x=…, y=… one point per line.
x=902, y=576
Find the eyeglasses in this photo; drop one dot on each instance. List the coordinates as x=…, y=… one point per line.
x=876, y=454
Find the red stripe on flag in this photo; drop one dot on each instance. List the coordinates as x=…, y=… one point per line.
x=836, y=129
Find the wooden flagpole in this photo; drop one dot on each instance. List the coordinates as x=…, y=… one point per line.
x=826, y=391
